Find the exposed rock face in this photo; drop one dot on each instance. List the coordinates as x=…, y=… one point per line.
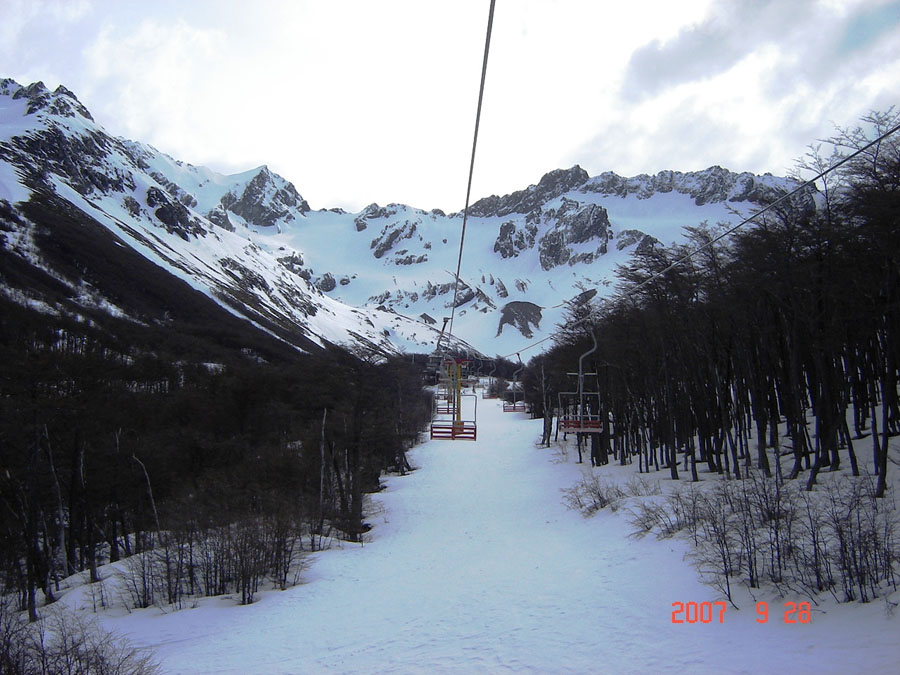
x=511, y=240
x=501, y=289
x=174, y=190
x=266, y=200
x=572, y=224
x=550, y=186
x=521, y=315
x=591, y=222
x=372, y=212
x=61, y=102
x=81, y=160
x=410, y=259
x=553, y=249
x=219, y=216
x=390, y=236
x=714, y=184
x=326, y=283
x=134, y=208
x=174, y=215
x=629, y=238
x=294, y=263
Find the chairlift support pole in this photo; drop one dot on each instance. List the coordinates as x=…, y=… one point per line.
x=581, y=374
x=580, y=422
x=454, y=428
x=514, y=406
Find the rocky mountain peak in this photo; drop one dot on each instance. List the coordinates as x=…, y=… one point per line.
x=266, y=199
x=60, y=101
x=550, y=186
x=712, y=185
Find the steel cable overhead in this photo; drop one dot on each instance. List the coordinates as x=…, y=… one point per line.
x=462, y=237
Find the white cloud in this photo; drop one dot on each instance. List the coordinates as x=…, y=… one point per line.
x=32, y=32
x=148, y=80
x=358, y=101
x=747, y=90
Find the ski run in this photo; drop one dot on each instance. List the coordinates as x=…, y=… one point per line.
x=475, y=564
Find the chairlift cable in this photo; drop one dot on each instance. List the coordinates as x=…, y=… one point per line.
x=462, y=237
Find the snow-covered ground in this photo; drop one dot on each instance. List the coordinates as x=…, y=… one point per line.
x=474, y=564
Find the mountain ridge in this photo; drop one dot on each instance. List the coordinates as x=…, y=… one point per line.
x=251, y=242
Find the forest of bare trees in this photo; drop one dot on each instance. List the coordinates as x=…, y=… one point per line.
x=772, y=354
x=210, y=469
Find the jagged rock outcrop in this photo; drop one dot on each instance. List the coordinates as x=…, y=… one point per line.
x=512, y=240
x=522, y=316
x=569, y=224
x=573, y=225
x=714, y=184
x=390, y=235
x=326, y=283
x=550, y=186
x=219, y=216
x=409, y=259
x=501, y=289
x=372, y=212
x=294, y=263
x=265, y=200
x=173, y=215
x=61, y=101
x=175, y=191
x=80, y=159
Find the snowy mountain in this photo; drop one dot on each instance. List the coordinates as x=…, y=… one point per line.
x=526, y=253
x=191, y=222
x=251, y=243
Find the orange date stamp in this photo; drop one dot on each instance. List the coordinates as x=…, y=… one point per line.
x=714, y=612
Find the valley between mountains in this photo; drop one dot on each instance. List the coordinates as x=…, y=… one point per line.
x=381, y=279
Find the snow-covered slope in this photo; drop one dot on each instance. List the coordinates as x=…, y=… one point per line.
x=382, y=278
x=525, y=254
x=194, y=223
x=474, y=564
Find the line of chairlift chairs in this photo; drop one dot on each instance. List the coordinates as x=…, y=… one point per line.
x=456, y=401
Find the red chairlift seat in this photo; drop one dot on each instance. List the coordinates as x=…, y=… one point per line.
x=589, y=424
x=453, y=430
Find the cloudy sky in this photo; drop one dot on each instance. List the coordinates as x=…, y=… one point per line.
x=358, y=101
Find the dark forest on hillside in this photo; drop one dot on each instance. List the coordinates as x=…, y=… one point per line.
x=222, y=450
x=771, y=355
